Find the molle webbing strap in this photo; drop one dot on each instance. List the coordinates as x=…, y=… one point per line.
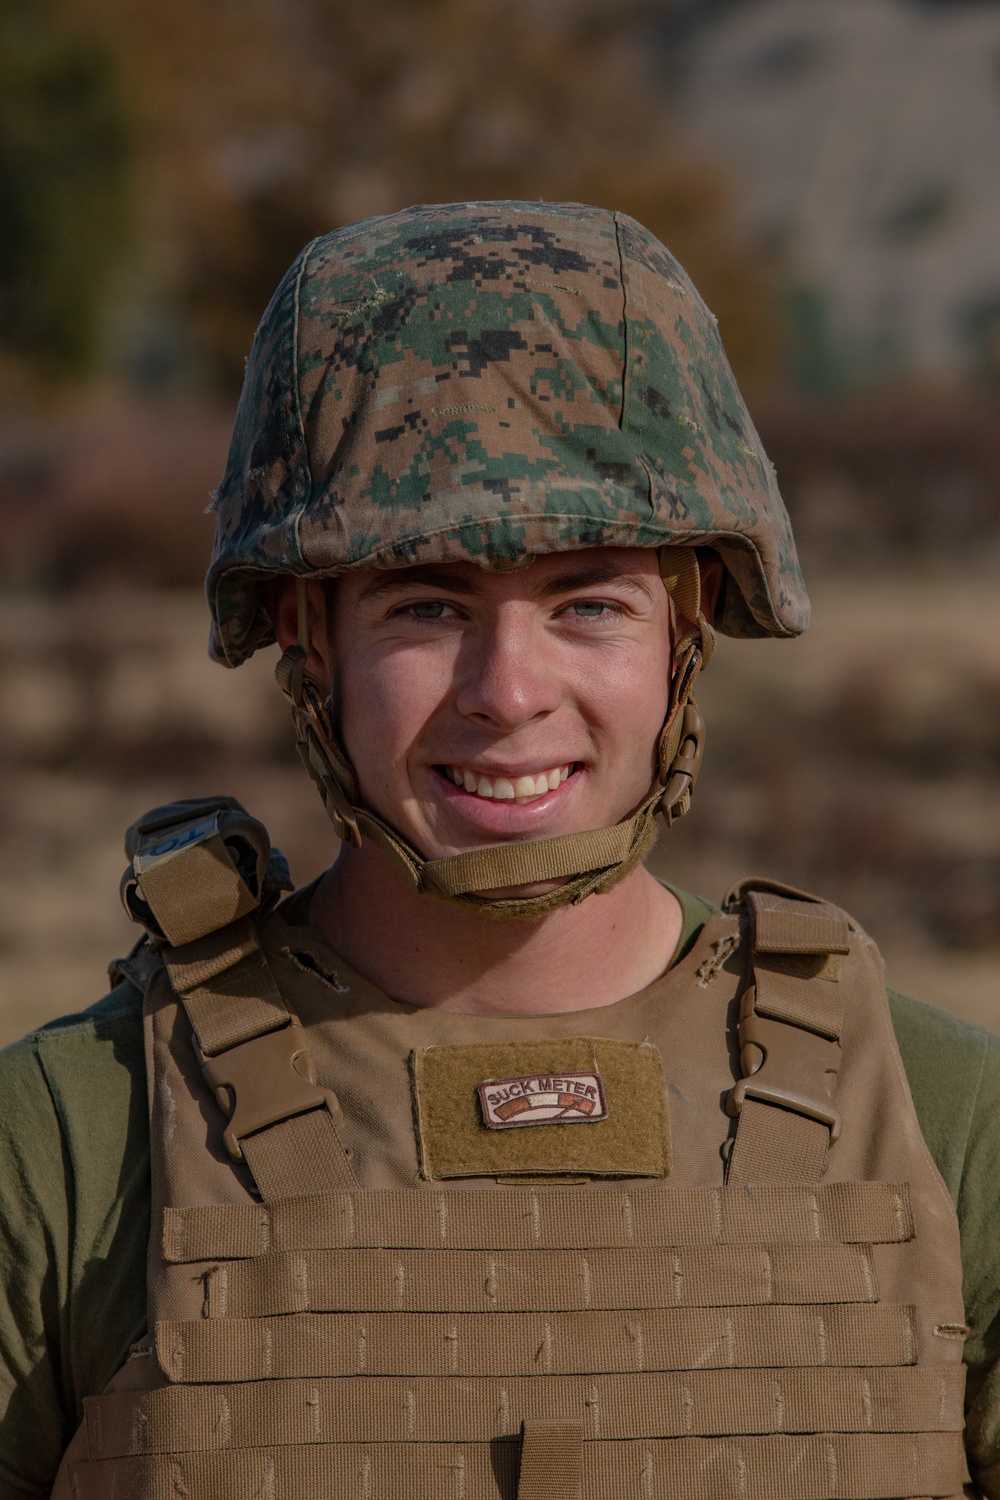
x=537, y=1280
x=851, y=1466
x=695, y=1403
x=789, y=1030
x=551, y=1459
x=254, y=1056
x=198, y=872
x=226, y=987
x=765, y=1150
x=525, y=1219
x=708, y=1338
x=297, y=1153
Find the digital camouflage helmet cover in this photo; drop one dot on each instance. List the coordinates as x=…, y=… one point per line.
x=485, y=382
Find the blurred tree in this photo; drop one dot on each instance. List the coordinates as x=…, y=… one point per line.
x=264, y=122
x=64, y=154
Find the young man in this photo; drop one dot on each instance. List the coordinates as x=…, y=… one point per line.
x=489, y=1165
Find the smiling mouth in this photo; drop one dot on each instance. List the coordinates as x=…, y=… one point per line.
x=500, y=788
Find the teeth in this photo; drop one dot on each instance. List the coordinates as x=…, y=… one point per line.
x=508, y=788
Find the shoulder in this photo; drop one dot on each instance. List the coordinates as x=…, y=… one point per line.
x=58, y=1062
x=74, y=1217
x=73, y=1115
x=953, y=1069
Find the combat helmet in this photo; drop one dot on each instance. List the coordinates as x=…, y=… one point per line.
x=488, y=382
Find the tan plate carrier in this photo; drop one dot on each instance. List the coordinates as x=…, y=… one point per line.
x=786, y=1326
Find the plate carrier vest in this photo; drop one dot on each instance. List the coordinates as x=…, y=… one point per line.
x=777, y=1316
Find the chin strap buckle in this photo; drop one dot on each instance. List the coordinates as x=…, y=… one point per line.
x=682, y=773
x=315, y=742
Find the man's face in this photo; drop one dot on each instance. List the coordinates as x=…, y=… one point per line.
x=482, y=706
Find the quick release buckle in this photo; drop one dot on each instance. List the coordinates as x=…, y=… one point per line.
x=789, y=1066
x=263, y=1081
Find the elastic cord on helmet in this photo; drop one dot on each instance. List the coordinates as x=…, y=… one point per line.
x=587, y=863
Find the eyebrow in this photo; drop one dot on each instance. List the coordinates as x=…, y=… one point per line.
x=586, y=576
x=397, y=581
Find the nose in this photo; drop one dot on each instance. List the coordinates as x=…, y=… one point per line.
x=506, y=677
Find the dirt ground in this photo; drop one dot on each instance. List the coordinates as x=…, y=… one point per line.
x=862, y=762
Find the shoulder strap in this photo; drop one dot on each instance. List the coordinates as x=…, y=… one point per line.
x=202, y=874
x=790, y=1022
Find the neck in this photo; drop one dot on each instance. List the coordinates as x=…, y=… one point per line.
x=433, y=953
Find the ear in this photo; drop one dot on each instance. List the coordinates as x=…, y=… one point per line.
x=285, y=615
x=713, y=576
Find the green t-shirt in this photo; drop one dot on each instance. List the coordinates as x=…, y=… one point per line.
x=75, y=1209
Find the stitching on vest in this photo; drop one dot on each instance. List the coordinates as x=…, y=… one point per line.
x=592, y=1402
x=677, y=1278
x=646, y=1472
x=224, y=1425
x=717, y=1214
x=635, y=1333
x=815, y=1217
x=741, y=1470
x=313, y=1403
x=300, y=1276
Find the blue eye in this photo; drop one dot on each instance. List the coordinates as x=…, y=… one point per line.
x=589, y=609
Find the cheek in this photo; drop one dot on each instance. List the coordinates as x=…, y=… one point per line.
x=629, y=696
x=386, y=702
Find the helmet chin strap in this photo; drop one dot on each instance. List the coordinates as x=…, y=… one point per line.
x=585, y=863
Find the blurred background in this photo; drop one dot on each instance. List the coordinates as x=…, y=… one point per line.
x=827, y=172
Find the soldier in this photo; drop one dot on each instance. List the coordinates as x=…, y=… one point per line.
x=488, y=1165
